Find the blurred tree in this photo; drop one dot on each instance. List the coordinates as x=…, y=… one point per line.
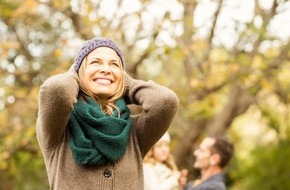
x=221, y=82
x=267, y=170
x=216, y=81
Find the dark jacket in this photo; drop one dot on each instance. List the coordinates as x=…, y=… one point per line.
x=216, y=182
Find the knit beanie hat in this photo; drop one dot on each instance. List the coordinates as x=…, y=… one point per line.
x=165, y=137
x=93, y=44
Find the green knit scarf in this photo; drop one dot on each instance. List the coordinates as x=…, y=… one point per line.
x=97, y=138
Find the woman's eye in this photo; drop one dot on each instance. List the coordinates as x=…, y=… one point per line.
x=115, y=64
x=96, y=62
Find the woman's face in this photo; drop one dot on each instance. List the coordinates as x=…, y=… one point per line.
x=161, y=151
x=103, y=72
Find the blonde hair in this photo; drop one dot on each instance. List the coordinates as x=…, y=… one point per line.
x=107, y=106
x=169, y=162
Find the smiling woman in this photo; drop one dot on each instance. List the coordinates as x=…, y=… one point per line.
x=101, y=71
x=102, y=77
x=84, y=128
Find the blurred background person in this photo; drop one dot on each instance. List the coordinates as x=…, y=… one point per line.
x=160, y=170
x=211, y=158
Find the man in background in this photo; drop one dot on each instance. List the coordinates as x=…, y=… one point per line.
x=211, y=157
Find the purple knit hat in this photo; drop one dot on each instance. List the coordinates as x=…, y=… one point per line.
x=91, y=45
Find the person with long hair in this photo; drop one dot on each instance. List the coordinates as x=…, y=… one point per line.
x=86, y=132
x=160, y=169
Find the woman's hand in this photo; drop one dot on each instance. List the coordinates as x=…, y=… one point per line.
x=183, y=177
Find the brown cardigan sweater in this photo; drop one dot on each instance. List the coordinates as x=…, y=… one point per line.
x=57, y=96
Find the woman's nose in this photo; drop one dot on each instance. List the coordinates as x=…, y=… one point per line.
x=105, y=68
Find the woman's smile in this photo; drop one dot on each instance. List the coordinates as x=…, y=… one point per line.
x=103, y=81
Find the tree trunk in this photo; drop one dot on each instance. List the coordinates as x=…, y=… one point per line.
x=238, y=102
x=185, y=144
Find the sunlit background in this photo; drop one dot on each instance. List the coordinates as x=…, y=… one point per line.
x=227, y=60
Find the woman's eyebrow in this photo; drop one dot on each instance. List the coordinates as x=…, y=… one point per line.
x=95, y=58
x=99, y=59
x=113, y=59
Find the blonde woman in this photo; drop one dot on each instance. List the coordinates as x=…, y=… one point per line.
x=160, y=170
x=84, y=128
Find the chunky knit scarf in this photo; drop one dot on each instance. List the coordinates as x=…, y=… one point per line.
x=95, y=137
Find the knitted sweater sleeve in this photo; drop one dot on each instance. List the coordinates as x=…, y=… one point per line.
x=57, y=96
x=159, y=106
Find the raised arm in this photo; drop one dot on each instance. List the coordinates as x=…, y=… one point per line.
x=57, y=96
x=159, y=106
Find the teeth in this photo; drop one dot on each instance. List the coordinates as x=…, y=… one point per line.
x=103, y=81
